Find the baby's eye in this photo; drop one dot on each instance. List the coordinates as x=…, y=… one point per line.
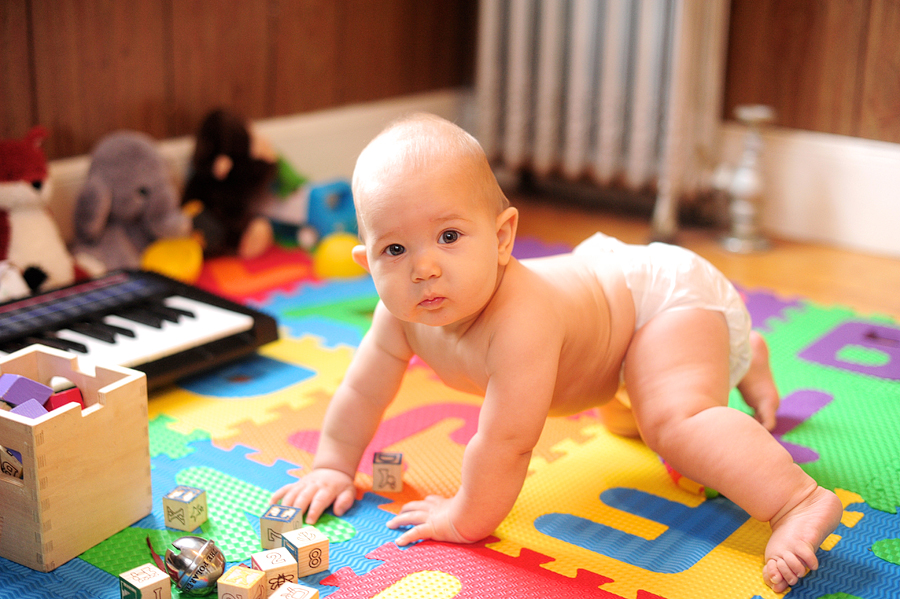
x=395, y=249
x=449, y=236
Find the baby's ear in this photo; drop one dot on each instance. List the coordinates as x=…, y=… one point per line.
x=360, y=257
x=507, y=224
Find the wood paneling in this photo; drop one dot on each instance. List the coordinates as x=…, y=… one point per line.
x=880, y=110
x=800, y=56
x=99, y=66
x=88, y=67
x=305, y=47
x=16, y=75
x=220, y=52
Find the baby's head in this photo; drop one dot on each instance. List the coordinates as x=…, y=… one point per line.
x=437, y=230
x=424, y=145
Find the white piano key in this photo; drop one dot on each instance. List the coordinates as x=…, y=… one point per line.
x=209, y=324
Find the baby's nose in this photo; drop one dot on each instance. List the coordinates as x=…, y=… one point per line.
x=425, y=267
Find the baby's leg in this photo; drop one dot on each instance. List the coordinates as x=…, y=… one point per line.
x=758, y=387
x=676, y=371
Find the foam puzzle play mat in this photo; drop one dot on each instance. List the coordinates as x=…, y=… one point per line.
x=599, y=515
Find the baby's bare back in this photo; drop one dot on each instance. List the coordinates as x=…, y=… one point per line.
x=581, y=305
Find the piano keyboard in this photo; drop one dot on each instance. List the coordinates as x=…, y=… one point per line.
x=141, y=320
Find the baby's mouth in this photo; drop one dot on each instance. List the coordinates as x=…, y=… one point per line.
x=432, y=302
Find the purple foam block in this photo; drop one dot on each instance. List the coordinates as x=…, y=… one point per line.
x=30, y=409
x=16, y=389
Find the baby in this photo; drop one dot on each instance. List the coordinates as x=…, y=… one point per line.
x=548, y=337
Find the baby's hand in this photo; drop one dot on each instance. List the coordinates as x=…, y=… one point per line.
x=316, y=491
x=429, y=518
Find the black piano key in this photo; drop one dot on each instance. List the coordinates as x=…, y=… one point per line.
x=63, y=344
x=142, y=316
x=94, y=331
x=114, y=329
x=163, y=311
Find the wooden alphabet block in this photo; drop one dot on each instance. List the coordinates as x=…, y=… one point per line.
x=184, y=508
x=241, y=582
x=292, y=590
x=145, y=582
x=309, y=547
x=278, y=565
x=387, y=472
x=278, y=520
x=16, y=389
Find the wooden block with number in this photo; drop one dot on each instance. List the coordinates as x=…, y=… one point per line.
x=387, y=472
x=292, y=590
x=241, y=582
x=145, y=582
x=278, y=565
x=278, y=520
x=309, y=547
x=184, y=508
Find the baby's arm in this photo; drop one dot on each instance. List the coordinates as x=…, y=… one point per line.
x=372, y=380
x=496, y=459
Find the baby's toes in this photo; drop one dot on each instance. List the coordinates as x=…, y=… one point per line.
x=773, y=577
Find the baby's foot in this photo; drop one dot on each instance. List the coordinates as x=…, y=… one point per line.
x=791, y=551
x=758, y=386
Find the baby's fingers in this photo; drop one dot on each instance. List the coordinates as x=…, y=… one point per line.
x=421, y=532
x=408, y=517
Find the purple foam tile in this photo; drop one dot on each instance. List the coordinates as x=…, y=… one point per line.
x=795, y=409
x=881, y=338
x=764, y=305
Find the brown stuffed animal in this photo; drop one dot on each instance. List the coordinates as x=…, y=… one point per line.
x=232, y=172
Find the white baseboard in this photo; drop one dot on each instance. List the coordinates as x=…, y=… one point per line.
x=321, y=145
x=833, y=189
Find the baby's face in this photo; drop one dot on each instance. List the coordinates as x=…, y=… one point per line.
x=431, y=245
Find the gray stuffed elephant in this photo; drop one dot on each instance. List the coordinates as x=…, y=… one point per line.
x=128, y=202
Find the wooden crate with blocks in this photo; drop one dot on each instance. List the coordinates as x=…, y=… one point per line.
x=85, y=472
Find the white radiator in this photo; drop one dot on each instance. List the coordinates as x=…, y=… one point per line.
x=623, y=93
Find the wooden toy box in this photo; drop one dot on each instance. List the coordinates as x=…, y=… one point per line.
x=86, y=474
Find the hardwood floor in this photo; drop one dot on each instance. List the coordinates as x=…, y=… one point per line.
x=827, y=275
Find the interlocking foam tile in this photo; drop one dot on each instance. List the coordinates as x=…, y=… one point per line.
x=464, y=571
x=853, y=435
x=193, y=411
x=339, y=311
x=246, y=280
x=619, y=503
x=853, y=567
x=763, y=305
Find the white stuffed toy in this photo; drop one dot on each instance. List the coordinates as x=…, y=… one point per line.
x=32, y=250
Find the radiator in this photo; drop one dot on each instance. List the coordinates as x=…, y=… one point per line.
x=620, y=93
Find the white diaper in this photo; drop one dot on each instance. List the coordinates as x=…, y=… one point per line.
x=667, y=277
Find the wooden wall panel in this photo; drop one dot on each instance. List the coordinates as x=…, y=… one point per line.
x=16, y=76
x=880, y=109
x=305, y=44
x=86, y=68
x=99, y=66
x=220, y=53
x=375, y=51
x=802, y=57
